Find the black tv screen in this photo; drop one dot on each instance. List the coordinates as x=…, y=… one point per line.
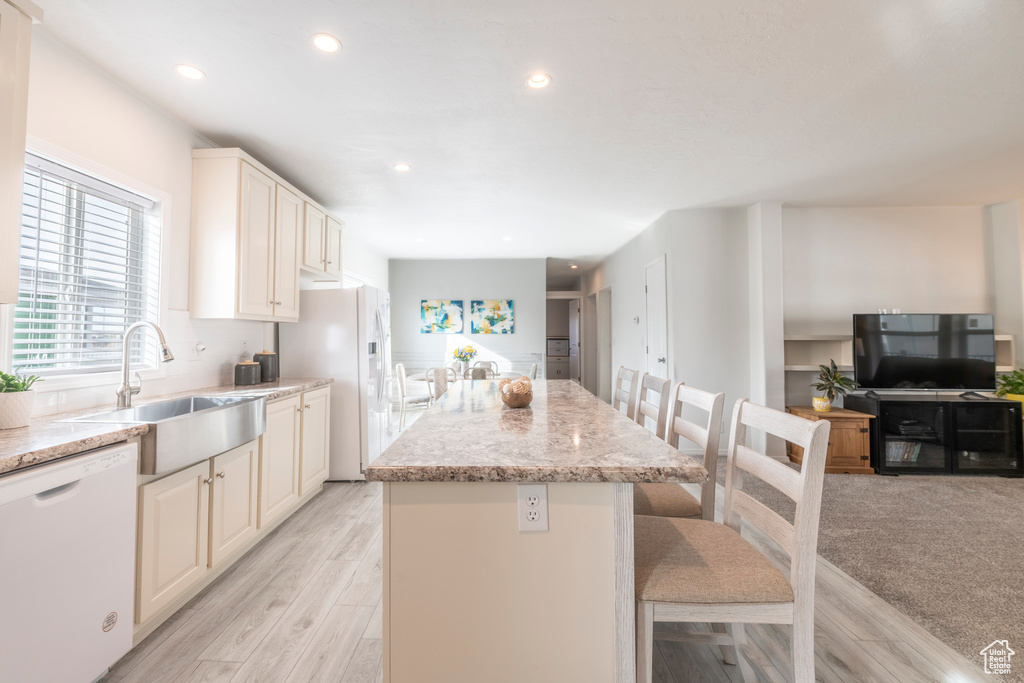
x=932, y=352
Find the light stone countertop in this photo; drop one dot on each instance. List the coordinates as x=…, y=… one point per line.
x=48, y=438
x=566, y=434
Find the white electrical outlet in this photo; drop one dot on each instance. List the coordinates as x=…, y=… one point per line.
x=195, y=350
x=533, y=507
x=244, y=349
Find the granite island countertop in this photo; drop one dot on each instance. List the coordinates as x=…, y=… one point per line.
x=566, y=434
x=49, y=438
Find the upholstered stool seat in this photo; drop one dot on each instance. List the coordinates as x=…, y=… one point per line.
x=696, y=562
x=664, y=500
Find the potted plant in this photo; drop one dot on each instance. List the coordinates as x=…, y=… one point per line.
x=831, y=382
x=16, y=398
x=1011, y=386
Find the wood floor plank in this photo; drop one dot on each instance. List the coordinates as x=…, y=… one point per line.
x=282, y=647
x=366, y=585
x=375, y=627
x=333, y=646
x=137, y=654
x=365, y=665
x=208, y=672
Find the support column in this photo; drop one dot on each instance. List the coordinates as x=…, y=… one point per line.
x=1005, y=222
x=767, y=356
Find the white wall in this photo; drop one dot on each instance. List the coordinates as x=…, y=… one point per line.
x=360, y=259
x=707, y=298
x=79, y=112
x=522, y=280
x=841, y=261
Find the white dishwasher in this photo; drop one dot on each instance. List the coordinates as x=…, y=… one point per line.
x=67, y=566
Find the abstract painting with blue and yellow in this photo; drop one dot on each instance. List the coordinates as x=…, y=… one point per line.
x=441, y=316
x=491, y=316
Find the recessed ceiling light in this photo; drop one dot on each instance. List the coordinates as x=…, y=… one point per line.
x=573, y=266
x=401, y=167
x=506, y=239
x=538, y=80
x=326, y=42
x=189, y=71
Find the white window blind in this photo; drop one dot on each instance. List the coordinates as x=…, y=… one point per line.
x=89, y=267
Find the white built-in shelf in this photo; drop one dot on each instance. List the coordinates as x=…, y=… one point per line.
x=805, y=352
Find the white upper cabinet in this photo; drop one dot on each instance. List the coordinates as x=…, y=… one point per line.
x=321, y=251
x=247, y=229
x=15, y=34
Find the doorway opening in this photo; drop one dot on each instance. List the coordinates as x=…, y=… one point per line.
x=563, y=336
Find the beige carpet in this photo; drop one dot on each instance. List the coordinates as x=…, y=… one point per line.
x=946, y=551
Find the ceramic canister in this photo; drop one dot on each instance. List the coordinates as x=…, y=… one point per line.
x=268, y=363
x=247, y=373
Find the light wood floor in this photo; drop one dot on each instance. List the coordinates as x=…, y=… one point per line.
x=305, y=605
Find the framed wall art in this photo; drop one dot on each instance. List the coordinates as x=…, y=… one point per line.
x=492, y=316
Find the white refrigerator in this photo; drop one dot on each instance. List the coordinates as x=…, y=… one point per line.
x=346, y=334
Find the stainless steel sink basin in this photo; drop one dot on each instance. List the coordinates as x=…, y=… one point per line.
x=185, y=431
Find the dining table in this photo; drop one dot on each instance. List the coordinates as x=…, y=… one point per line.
x=508, y=537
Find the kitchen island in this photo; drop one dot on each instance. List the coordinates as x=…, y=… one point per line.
x=468, y=597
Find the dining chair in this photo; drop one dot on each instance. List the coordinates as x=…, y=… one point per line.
x=455, y=366
x=490, y=364
x=671, y=499
x=533, y=371
x=405, y=398
x=621, y=395
x=692, y=570
x=437, y=382
x=650, y=386
x=478, y=373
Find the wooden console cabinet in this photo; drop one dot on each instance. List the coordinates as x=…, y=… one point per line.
x=849, y=441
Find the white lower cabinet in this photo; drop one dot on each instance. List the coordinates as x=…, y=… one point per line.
x=279, y=459
x=233, y=505
x=313, y=460
x=173, y=537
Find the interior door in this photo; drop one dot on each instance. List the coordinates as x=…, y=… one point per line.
x=574, y=340
x=657, y=311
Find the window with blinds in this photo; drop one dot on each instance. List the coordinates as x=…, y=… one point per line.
x=89, y=267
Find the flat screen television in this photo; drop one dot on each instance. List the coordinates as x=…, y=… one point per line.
x=928, y=352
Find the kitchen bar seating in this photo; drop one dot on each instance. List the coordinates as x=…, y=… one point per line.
x=701, y=571
x=672, y=500
x=649, y=386
x=627, y=396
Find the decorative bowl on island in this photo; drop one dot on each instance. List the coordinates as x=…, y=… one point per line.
x=516, y=393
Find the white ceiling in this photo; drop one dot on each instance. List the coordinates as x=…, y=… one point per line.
x=655, y=105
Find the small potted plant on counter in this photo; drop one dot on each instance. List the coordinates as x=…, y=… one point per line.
x=831, y=382
x=16, y=398
x=1011, y=386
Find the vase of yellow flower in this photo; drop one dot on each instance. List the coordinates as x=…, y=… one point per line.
x=464, y=355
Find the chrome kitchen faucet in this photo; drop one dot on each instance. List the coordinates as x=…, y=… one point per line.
x=126, y=390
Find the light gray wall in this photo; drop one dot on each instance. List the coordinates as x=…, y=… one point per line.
x=841, y=261
x=522, y=280
x=707, y=298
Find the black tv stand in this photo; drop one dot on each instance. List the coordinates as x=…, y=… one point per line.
x=973, y=395
x=944, y=435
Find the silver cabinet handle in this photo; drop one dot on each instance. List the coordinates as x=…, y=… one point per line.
x=221, y=475
x=307, y=406
x=208, y=481
x=277, y=303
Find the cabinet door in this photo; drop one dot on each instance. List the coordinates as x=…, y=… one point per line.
x=173, y=535
x=313, y=238
x=256, y=244
x=233, y=500
x=333, y=247
x=15, y=34
x=279, y=460
x=316, y=424
x=286, y=255
x=848, y=445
